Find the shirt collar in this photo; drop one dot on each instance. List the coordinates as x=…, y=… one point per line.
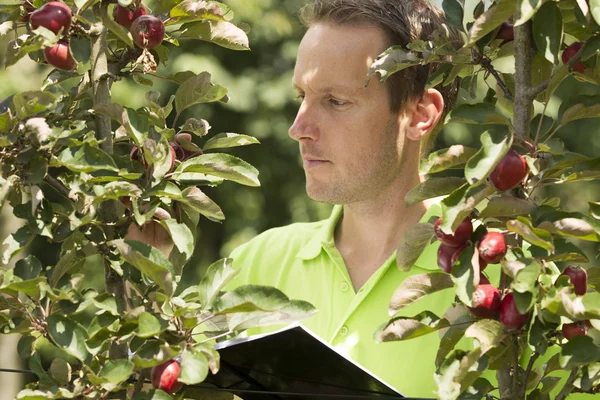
x=324, y=236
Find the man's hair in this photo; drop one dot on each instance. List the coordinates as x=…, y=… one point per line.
x=402, y=21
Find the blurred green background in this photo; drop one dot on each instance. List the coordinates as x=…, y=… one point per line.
x=263, y=105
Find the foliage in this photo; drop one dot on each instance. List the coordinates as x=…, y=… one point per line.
x=91, y=175
x=541, y=234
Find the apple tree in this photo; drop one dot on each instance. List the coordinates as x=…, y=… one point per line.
x=111, y=185
x=525, y=312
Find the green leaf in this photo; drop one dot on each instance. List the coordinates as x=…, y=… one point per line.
x=416, y=287
x=226, y=140
x=28, y=268
x=152, y=353
x=454, y=13
x=198, y=127
x=295, y=310
x=433, y=187
x=539, y=237
x=393, y=60
x=196, y=90
x=190, y=10
x=580, y=111
x=31, y=287
x=182, y=236
x=222, y=33
x=548, y=31
x=135, y=126
x=69, y=335
x=460, y=203
x=580, y=350
x=595, y=10
x=198, y=201
x=456, y=331
x=217, y=276
x=495, y=144
x=60, y=371
x=404, y=328
x=16, y=242
x=498, y=13
x=117, y=372
x=30, y=103
x=526, y=278
x=86, y=158
x=29, y=394
x=441, y=160
x=116, y=189
x=507, y=206
x=463, y=274
x=149, y=325
x=250, y=298
x=528, y=8
x=223, y=166
x=575, y=224
x=148, y=260
x=458, y=371
x=413, y=244
x=487, y=332
x=194, y=368
x=65, y=263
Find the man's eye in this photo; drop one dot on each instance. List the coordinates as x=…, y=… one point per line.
x=336, y=102
x=300, y=96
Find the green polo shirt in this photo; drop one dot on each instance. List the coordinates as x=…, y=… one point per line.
x=302, y=261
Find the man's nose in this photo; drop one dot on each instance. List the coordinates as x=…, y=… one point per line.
x=305, y=125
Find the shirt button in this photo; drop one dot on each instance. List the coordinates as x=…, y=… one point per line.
x=344, y=287
x=344, y=330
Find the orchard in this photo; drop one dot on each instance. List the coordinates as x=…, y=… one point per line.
x=88, y=175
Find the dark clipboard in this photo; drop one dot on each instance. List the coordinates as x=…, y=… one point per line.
x=293, y=363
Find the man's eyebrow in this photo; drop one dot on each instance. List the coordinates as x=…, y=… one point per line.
x=343, y=89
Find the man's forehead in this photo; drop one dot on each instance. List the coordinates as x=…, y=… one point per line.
x=333, y=57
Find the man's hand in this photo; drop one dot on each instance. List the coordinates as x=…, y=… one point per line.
x=154, y=234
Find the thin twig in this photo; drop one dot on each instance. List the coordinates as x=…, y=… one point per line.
x=568, y=385
x=56, y=184
x=534, y=91
x=229, y=332
x=539, y=128
x=487, y=65
x=528, y=371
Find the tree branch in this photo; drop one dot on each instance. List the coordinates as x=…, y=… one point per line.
x=523, y=61
x=528, y=371
x=57, y=185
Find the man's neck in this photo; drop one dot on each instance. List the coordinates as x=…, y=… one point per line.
x=369, y=232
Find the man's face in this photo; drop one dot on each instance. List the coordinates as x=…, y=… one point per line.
x=351, y=144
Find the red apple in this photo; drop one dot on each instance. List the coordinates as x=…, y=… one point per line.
x=510, y=317
x=460, y=236
x=53, y=15
x=509, y=172
x=579, y=328
x=486, y=301
x=444, y=257
x=164, y=376
x=173, y=157
x=578, y=278
x=147, y=31
x=59, y=56
x=506, y=32
x=125, y=16
x=569, y=52
x=492, y=247
x=183, y=137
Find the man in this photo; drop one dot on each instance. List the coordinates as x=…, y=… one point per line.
x=361, y=147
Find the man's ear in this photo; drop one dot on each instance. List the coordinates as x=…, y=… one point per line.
x=425, y=114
